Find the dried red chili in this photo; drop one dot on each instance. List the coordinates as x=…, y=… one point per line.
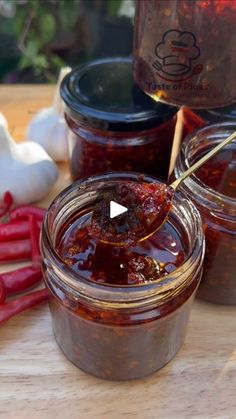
x=23, y=303
x=34, y=238
x=16, y=226
x=19, y=240
x=14, y=230
x=2, y=293
x=20, y=279
x=22, y=213
x=7, y=203
x=13, y=251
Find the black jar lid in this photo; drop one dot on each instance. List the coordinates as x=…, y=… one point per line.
x=227, y=113
x=103, y=95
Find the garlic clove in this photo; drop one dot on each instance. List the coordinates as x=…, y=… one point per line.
x=3, y=120
x=48, y=127
x=50, y=131
x=30, y=185
x=7, y=144
x=26, y=170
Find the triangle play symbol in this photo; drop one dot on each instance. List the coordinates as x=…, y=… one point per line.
x=116, y=209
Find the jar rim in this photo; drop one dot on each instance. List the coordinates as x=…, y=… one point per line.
x=128, y=293
x=213, y=115
x=209, y=196
x=96, y=100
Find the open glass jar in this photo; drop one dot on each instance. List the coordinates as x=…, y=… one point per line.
x=109, y=330
x=112, y=124
x=213, y=190
x=184, y=51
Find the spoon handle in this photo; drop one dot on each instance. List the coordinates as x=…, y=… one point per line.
x=203, y=160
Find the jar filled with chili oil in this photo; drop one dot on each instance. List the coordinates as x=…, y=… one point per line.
x=213, y=190
x=184, y=51
x=119, y=313
x=113, y=125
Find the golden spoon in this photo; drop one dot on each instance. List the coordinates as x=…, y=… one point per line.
x=148, y=206
x=203, y=160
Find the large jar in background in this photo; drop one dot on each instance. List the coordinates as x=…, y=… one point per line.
x=113, y=125
x=114, y=331
x=184, y=51
x=213, y=190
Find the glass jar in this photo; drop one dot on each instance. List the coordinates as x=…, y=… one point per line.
x=213, y=190
x=112, y=331
x=113, y=125
x=184, y=51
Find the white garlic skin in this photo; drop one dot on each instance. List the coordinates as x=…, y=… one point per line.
x=26, y=170
x=3, y=120
x=49, y=129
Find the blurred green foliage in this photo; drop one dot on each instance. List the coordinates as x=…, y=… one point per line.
x=35, y=25
x=44, y=35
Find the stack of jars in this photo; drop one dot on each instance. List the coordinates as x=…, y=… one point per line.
x=122, y=313
x=176, y=63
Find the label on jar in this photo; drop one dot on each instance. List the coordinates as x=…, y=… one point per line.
x=176, y=61
x=185, y=51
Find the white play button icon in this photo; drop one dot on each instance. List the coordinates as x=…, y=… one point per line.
x=116, y=209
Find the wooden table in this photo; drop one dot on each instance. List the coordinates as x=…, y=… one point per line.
x=37, y=381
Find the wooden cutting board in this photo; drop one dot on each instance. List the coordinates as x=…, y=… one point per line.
x=37, y=381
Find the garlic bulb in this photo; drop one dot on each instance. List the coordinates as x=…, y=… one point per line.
x=48, y=126
x=26, y=169
x=3, y=120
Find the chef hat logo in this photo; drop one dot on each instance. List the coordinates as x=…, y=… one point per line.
x=176, y=52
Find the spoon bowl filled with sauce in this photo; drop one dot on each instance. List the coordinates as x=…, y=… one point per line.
x=147, y=206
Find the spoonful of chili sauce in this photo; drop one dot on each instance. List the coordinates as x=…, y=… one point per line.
x=146, y=207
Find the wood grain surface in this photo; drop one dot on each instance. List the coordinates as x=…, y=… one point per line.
x=37, y=382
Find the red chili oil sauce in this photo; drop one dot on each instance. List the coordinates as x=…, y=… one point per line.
x=219, y=173
x=120, y=312
x=149, y=260
x=146, y=207
x=218, y=284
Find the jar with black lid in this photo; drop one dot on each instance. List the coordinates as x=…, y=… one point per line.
x=113, y=125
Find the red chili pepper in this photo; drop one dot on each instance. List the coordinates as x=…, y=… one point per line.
x=2, y=293
x=15, y=250
x=34, y=237
x=8, y=199
x=20, y=304
x=20, y=279
x=7, y=203
x=14, y=230
x=22, y=213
